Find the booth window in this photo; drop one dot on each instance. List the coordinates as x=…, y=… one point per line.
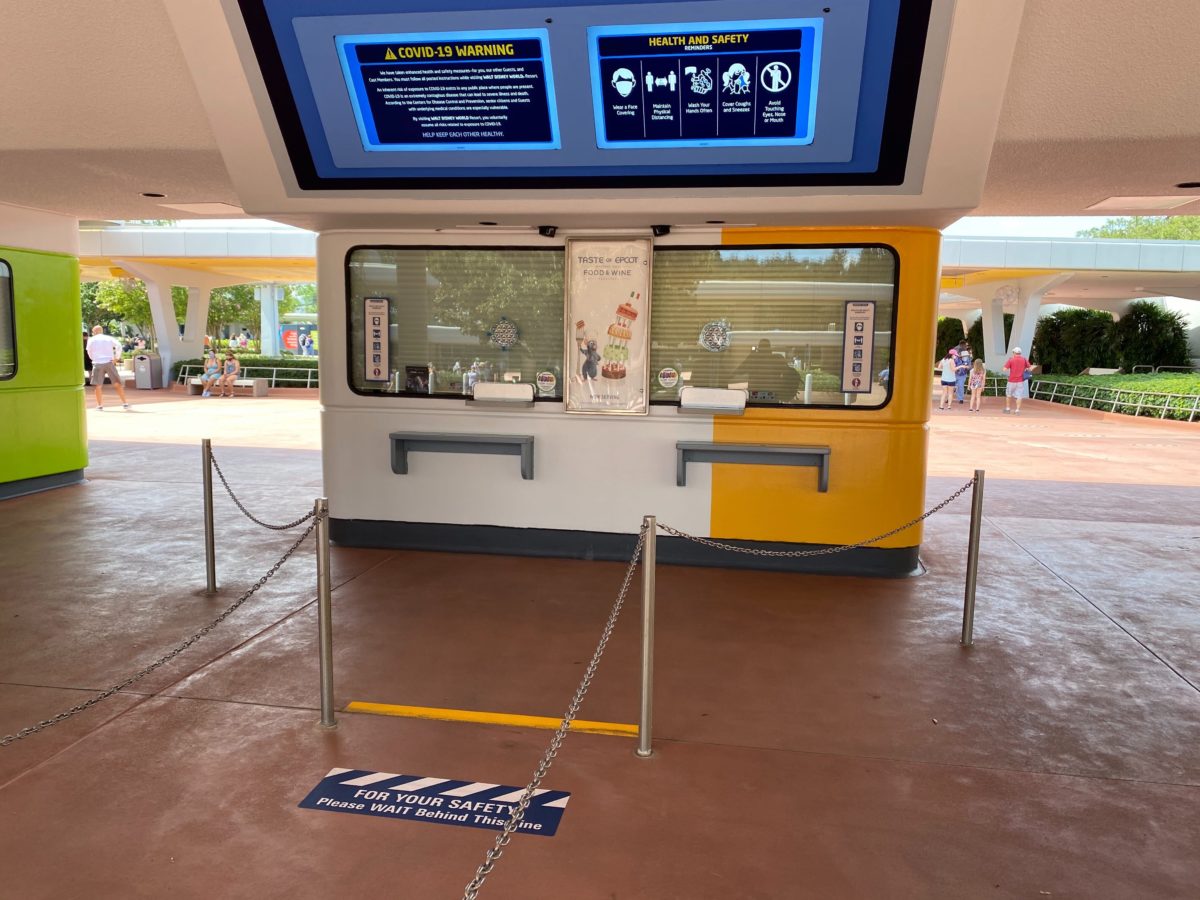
x=454, y=316
x=771, y=320
x=8, y=343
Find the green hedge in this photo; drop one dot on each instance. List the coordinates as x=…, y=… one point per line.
x=823, y=381
x=250, y=362
x=1095, y=391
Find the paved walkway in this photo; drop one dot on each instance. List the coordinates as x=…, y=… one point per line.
x=815, y=737
x=1046, y=442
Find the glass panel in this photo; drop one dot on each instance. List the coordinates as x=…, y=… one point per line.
x=770, y=320
x=456, y=316
x=8, y=347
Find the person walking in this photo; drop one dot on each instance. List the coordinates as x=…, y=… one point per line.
x=105, y=352
x=976, y=382
x=1016, y=389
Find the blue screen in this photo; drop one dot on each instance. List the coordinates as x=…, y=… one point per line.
x=488, y=89
x=589, y=93
x=704, y=84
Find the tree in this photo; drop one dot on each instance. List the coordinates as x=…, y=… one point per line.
x=949, y=333
x=300, y=298
x=1169, y=228
x=1149, y=335
x=126, y=299
x=233, y=305
x=94, y=312
x=1071, y=340
x=475, y=288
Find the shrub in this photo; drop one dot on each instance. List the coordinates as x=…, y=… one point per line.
x=1140, y=394
x=1149, y=335
x=823, y=381
x=1071, y=340
x=949, y=333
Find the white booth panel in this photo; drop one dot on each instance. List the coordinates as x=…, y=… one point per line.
x=591, y=473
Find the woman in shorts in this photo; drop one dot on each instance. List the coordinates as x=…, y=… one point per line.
x=229, y=374
x=211, y=374
x=947, y=367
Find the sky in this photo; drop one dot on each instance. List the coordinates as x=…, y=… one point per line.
x=971, y=226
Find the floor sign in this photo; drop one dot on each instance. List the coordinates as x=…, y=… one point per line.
x=475, y=804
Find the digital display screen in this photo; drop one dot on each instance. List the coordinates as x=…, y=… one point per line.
x=706, y=84
x=464, y=94
x=481, y=90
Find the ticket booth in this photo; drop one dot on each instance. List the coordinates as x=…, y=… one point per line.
x=582, y=263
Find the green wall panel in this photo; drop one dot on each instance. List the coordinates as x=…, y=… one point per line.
x=41, y=407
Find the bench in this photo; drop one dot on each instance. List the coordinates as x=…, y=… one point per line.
x=257, y=386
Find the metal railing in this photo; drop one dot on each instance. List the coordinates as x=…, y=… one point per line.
x=308, y=378
x=646, y=550
x=650, y=527
x=320, y=516
x=1154, y=370
x=1138, y=400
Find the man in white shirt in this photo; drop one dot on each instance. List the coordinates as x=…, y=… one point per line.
x=105, y=352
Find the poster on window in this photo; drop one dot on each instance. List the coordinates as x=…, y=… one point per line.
x=608, y=326
x=375, y=347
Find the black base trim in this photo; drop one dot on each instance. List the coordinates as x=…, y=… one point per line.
x=886, y=562
x=10, y=489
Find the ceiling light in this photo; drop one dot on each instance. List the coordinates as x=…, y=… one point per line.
x=1188, y=184
x=1167, y=201
x=152, y=194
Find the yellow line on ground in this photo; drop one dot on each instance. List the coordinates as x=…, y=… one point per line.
x=486, y=718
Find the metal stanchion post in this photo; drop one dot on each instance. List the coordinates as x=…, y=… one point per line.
x=649, y=554
x=324, y=612
x=210, y=553
x=972, y=560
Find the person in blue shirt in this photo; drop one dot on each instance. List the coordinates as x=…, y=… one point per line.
x=962, y=369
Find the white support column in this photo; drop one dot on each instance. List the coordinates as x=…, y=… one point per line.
x=1029, y=304
x=269, y=296
x=172, y=345
x=993, y=333
x=162, y=311
x=196, y=324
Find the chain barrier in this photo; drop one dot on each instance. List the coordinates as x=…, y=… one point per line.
x=754, y=551
x=518, y=813
x=246, y=512
x=46, y=723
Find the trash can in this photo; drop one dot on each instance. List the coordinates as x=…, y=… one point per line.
x=147, y=371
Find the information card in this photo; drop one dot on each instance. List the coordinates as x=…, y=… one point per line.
x=858, y=346
x=487, y=90
x=727, y=83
